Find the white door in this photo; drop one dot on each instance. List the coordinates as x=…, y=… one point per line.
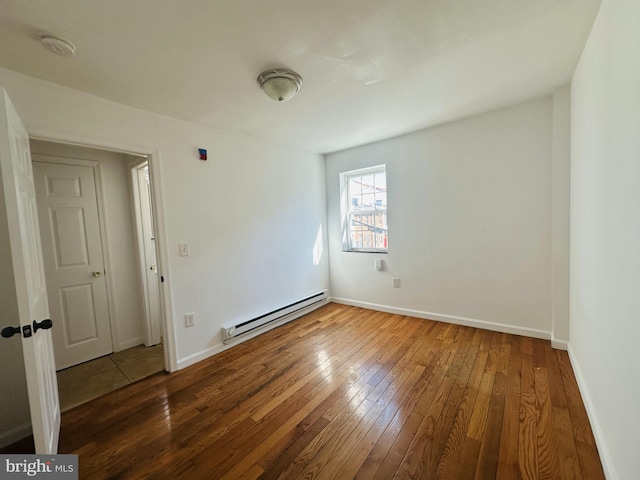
x=73, y=260
x=19, y=198
x=147, y=252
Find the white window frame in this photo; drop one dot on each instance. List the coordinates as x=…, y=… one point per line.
x=347, y=211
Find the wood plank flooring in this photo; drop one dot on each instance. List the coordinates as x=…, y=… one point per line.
x=347, y=393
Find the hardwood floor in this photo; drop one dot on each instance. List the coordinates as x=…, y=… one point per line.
x=347, y=393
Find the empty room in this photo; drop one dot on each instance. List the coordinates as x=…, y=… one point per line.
x=320, y=239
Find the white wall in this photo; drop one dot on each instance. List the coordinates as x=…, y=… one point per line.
x=125, y=306
x=605, y=233
x=127, y=299
x=251, y=213
x=470, y=222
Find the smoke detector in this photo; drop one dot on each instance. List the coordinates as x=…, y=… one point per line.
x=59, y=46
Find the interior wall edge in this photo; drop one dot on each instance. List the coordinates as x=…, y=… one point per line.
x=601, y=444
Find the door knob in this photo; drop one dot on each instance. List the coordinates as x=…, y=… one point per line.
x=97, y=273
x=26, y=330
x=45, y=324
x=9, y=332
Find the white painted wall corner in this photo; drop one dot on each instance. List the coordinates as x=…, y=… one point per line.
x=605, y=457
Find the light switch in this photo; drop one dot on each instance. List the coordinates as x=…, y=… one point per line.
x=184, y=249
x=378, y=264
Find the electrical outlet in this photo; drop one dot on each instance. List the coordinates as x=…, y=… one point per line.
x=378, y=264
x=395, y=281
x=189, y=319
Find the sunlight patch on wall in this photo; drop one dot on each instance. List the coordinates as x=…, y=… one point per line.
x=318, y=247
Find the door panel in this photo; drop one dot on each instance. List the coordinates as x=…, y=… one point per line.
x=74, y=263
x=77, y=314
x=18, y=193
x=68, y=223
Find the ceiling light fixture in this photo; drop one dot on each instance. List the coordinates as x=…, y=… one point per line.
x=280, y=84
x=59, y=46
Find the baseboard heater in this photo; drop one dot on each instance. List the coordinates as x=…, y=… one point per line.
x=283, y=314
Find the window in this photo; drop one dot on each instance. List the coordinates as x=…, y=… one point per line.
x=364, y=209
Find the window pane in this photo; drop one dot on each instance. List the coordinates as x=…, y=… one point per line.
x=354, y=187
x=365, y=207
x=369, y=200
x=367, y=183
x=368, y=230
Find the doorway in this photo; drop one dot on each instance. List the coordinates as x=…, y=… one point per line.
x=104, y=313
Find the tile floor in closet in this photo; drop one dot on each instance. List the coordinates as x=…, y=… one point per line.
x=89, y=380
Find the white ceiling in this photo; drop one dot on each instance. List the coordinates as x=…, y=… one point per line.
x=372, y=69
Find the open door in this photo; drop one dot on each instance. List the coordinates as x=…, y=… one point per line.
x=18, y=199
x=145, y=233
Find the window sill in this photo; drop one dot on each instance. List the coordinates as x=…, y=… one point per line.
x=361, y=250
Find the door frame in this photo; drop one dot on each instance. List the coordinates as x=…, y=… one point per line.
x=153, y=157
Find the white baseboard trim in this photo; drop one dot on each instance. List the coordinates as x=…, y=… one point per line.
x=128, y=344
x=202, y=355
x=468, y=322
x=559, y=344
x=605, y=458
x=15, y=434
x=214, y=350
